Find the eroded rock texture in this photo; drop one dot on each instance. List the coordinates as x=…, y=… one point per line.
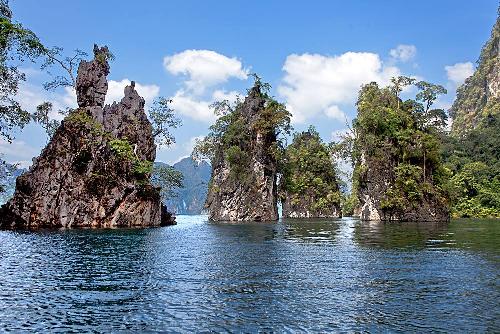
x=251, y=194
x=479, y=96
x=95, y=170
x=377, y=178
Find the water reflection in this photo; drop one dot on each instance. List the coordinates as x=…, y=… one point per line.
x=311, y=231
x=293, y=275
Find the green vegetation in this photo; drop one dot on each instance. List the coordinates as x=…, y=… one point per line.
x=234, y=133
x=163, y=120
x=402, y=140
x=310, y=173
x=17, y=44
x=474, y=161
x=167, y=178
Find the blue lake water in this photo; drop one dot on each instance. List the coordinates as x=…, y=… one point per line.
x=340, y=275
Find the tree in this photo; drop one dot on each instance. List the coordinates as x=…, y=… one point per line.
x=163, y=120
x=17, y=44
x=168, y=179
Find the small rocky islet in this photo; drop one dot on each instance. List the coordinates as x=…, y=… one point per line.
x=95, y=171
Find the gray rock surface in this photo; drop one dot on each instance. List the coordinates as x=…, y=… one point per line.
x=91, y=174
x=256, y=198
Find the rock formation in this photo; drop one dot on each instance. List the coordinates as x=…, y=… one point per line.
x=479, y=96
x=398, y=175
x=243, y=183
x=309, y=187
x=376, y=183
x=95, y=170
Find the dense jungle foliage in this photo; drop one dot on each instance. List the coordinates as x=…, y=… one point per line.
x=402, y=139
x=310, y=172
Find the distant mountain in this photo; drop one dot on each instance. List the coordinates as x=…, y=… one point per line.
x=479, y=96
x=8, y=175
x=191, y=198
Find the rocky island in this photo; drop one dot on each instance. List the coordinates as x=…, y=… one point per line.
x=398, y=174
x=309, y=187
x=95, y=170
x=244, y=149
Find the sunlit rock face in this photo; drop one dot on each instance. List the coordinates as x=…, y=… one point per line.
x=479, y=96
x=255, y=199
x=95, y=171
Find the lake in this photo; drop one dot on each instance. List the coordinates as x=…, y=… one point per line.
x=294, y=275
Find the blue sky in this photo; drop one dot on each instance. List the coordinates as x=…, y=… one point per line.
x=315, y=54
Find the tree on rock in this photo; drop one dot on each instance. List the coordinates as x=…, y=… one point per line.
x=309, y=186
x=398, y=172
x=245, y=146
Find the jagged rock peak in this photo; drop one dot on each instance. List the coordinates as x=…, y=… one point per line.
x=91, y=83
x=244, y=188
x=95, y=171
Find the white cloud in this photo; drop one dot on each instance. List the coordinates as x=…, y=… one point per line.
x=18, y=151
x=315, y=84
x=30, y=96
x=204, y=68
x=403, y=52
x=116, y=91
x=198, y=108
x=459, y=72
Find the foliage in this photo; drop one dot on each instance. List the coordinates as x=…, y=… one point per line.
x=168, y=179
x=401, y=139
x=474, y=162
x=310, y=172
x=232, y=135
x=41, y=116
x=17, y=44
x=163, y=120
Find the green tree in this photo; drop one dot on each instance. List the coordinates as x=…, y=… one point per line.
x=230, y=136
x=17, y=44
x=310, y=173
x=163, y=120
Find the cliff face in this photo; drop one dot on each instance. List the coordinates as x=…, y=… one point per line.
x=479, y=96
x=377, y=182
x=243, y=182
x=95, y=170
x=309, y=187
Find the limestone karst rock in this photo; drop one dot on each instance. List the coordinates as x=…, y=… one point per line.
x=376, y=180
x=479, y=96
x=95, y=170
x=309, y=187
x=398, y=173
x=249, y=194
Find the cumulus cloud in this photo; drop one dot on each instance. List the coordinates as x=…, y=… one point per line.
x=18, y=152
x=459, y=72
x=198, y=108
x=116, y=91
x=204, y=72
x=30, y=96
x=315, y=84
x=403, y=52
x=204, y=68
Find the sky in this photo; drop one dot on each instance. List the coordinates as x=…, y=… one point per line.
x=315, y=54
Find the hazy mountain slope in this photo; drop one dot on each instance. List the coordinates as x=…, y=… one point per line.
x=191, y=198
